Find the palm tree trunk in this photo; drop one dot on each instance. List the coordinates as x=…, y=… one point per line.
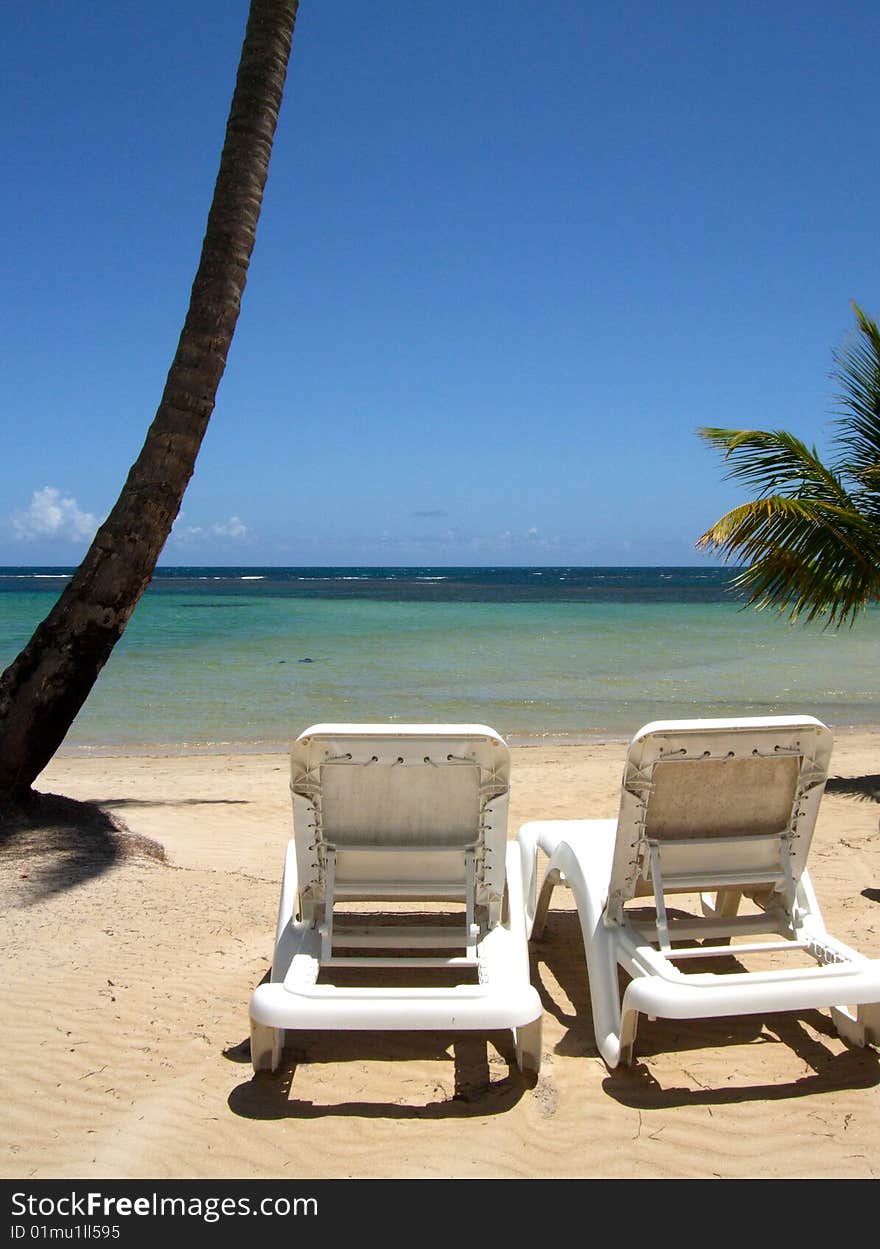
x=44, y=688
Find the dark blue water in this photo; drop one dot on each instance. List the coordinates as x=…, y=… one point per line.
x=427, y=585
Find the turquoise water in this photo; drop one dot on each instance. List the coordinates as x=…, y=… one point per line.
x=247, y=665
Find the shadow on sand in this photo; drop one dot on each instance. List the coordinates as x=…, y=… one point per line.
x=465, y=1088
x=865, y=788
x=49, y=843
x=560, y=953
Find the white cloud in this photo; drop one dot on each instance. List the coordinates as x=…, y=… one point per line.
x=52, y=515
x=232, y=528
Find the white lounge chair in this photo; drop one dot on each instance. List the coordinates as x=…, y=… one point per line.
x=722, y=809
x=400, y=813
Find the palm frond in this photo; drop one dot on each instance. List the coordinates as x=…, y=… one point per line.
x=806, y=557
x=775, y=462
x=811, y=539
x=857, y=429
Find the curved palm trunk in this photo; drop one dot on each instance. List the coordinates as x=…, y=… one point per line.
x=44, y=688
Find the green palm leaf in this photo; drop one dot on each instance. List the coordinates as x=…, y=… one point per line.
x=857, y=430
x=810, y=540
x=805, y=557
x=774, y=461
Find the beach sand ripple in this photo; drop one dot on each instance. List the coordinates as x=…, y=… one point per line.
x=128, y=976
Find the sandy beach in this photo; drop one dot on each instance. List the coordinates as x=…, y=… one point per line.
x=130, y=956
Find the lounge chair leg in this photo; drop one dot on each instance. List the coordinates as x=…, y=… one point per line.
x=527, y=1041
x=266, y=1047
x=869, y=1018
x=629, y=1024
x=542, y=906
x=863, y=1028
x=726, y=903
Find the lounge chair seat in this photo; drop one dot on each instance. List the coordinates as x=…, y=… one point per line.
x=400, y=814
x=722, y=810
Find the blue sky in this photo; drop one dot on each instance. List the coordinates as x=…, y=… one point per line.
x=510, y=257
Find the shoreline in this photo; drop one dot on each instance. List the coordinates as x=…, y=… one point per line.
x=519, y=741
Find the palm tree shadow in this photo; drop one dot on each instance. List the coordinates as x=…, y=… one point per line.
x=865, y=788
x=561, y=953
x=465, y=1091
x=113, y=804
x=49, y=843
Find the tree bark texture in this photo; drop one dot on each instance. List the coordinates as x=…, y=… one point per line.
x=42, y=691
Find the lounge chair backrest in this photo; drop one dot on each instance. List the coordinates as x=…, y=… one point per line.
x=400, y=809
x=401, y=804
x=718, y=796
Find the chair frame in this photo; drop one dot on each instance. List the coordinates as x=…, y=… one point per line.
x=471, y=866
x=611, y=865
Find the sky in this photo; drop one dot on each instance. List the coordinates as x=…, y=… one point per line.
x=511, y=256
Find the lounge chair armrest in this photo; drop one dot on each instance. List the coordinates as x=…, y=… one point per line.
x=516, y=910
x=289, y=901
x=527, y=842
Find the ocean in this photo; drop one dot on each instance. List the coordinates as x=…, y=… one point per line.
x=244, y=658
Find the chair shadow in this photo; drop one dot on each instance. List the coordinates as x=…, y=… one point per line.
x=560, y=950
x=49, y=843
x=474, y=1093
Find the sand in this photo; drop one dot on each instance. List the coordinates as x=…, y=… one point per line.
x=126, y=979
